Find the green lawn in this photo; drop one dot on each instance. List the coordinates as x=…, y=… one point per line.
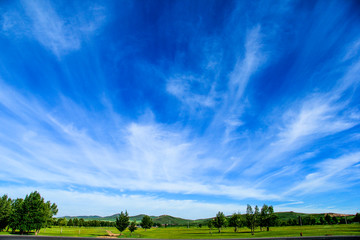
x=185, y=233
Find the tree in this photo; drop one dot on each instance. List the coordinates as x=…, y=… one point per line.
x=16, y=216
x=146, y=222
x=219, y=221
x=5, y=211
x=76, y=222
x=267, y=217
x=252, y=218
x=70, y=223
x=31, y=213
x=81, y=222
x=122, y=222
x=328, y=219
x=322, y=221
x=210, y=225
x=132, y=227
x=356, y=218
x=334, y=220
x=37, y=212
x=236, y=221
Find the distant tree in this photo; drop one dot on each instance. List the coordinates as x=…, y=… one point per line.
x=70, y=223
x=356, y=218
x=81, y=222
x=328, y=219
x=76, y=222
x=210, y=225
x=122, y=222
x=322, y=221
x=267, y=217
x=236, y=221
x=219, y=221
x=62, y=222
x=146, y=222
x=132, y=227
x=334, y=220
x=5, y=211
x=252, y=218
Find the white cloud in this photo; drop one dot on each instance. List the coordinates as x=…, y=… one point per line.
x=184, y=88
x=59, y=34
x=330, y=175
x=144, y=157
x=316, y=118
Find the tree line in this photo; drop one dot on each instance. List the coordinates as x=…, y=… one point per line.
x=265, y=218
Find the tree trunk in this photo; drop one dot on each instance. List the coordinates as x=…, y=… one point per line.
x=267, y=228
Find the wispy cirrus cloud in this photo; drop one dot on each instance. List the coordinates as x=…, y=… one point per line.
x=58, y=34
x=328, y=175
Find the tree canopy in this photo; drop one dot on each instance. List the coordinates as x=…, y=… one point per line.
x=5, y=211
x=236, y=221
x=31, y=213
x=252, y=218
x=146, y=222
x=122, y=222
x=219, y=220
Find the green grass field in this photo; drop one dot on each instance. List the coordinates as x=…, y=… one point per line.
x=194, y=233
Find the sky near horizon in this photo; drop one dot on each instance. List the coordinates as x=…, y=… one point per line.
x=182, y=107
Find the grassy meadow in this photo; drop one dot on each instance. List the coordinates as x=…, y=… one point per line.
x=195, y=233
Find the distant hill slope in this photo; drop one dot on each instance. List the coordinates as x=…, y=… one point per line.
x=167, y=219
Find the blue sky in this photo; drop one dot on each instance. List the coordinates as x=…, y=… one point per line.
x=184, y=108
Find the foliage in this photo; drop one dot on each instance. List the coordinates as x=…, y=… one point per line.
x=122, y=222
x=70, y=223
x=356, y=218
x=219, y=221
x=146, y=222
x=210, y=225
x=328, y=219
x=236, y=221
x=132, y=227
x=5, y=211
x=267, y=217
x=252, y=218
x=32, y=213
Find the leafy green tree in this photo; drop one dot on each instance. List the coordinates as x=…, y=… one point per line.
x=267, y=217
x=322, y=221
x=132, y=227
x=5, y=211
x=356, y=218
x=17, y=215
x=219, y=221
x=62, y=221
x=81, y=222
x=37, y=212
x=334, y=220
x=252, y=218
x=210, y=225
x=328, y=219
x=76, y=222
x=146, y=222
x=70, y=223
x=236, y=221
x=122, y=222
